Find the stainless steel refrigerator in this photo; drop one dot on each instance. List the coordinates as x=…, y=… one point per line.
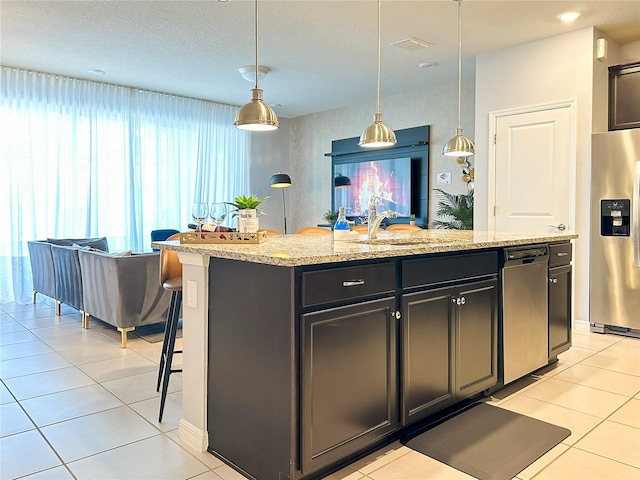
x=614, y=286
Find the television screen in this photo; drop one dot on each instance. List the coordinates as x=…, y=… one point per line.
x=389, y=179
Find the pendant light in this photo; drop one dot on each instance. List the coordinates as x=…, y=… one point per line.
x=377, y=134
x=256, y=115
x=459, y=146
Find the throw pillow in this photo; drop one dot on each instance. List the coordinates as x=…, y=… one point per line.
x=99, y=243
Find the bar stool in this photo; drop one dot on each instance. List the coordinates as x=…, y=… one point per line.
x=171, y=279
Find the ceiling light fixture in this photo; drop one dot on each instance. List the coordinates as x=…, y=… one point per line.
x=256, y=115
x=377, y=134
x=248, y=72
x=412, y=43
x=95, y=71
x=569, y=16
x=459, y=146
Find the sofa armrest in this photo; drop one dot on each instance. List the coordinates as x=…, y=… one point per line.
x=42, y=271
x=67, y=274
x=123, y=291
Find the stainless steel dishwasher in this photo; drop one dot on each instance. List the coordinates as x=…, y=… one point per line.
x=524, y=319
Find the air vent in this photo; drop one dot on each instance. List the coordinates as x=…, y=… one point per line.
x=412, y=43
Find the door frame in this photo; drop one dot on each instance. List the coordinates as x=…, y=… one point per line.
x=491, y=164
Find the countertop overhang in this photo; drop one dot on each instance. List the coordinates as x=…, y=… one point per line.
x=297, y=250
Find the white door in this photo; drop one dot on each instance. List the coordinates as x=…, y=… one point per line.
x=534, y=186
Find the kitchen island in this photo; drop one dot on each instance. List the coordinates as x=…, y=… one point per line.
x=301, y=353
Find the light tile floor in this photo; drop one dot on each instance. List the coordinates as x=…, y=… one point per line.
x=73, y=404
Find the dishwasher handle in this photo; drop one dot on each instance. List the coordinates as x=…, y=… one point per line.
x=526, y=255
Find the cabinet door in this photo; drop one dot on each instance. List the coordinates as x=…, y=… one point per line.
x=349, y=392
x=427, y=345
x=476, y=337
x=559, y=310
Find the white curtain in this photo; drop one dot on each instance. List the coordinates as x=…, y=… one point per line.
x=83, y=159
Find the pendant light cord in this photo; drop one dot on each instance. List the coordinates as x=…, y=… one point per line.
x=256, y=44
x=459, y=62
x=378, y=90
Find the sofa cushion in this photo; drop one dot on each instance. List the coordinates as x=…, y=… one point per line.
x=99, y=243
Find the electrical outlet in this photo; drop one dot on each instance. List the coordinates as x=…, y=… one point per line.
x=192, y=294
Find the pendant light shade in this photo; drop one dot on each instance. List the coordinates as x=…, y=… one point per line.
x=341, y=181
x=459, y=146
x=256, y=115
x=280, y=180
x=377, y=134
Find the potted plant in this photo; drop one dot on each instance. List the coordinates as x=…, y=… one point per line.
x=247, y=212
x=330, y=217
x=457, y=207
x=412, y=219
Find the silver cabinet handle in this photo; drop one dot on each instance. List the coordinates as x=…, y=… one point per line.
x=353, y=283
x=463, y=300
x=561, y=227
x=562, y=254
x=635, y=215
x=553, y=280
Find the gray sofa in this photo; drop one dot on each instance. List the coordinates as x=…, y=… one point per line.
x=56, y=271
x=123, y=291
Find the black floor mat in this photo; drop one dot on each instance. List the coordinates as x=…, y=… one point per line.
x=487, y=442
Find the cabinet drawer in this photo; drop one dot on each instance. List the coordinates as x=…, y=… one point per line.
x=337, y=284
x=560, y=254
x=427, y=271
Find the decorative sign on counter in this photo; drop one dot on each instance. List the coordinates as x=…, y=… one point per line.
x=224, y=237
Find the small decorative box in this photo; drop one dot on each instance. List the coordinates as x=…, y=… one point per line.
x=224, y=237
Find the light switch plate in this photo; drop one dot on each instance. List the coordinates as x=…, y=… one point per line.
x=192, y=294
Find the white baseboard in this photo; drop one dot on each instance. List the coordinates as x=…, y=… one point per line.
x=191, y=436
x=581, y=325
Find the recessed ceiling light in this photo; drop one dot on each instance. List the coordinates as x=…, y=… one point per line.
x=427, y=64
x=275, y=105
x=95, y=71
x=569, y=16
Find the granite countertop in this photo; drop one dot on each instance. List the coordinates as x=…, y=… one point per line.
x=295, y=250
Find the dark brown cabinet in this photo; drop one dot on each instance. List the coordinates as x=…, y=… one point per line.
x=427, y=353
x=348, y=381
x=560, y=311
x=449, y=346
x=476, y=338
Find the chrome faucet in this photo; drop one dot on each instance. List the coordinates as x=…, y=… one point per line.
x=375, y=219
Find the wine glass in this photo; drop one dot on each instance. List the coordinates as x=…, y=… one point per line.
x=199, y=212
x=218, y=213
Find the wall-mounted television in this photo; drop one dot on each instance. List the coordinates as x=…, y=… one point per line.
x=389, y=179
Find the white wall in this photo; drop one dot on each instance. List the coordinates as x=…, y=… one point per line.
x=549, y=70
x=311, y=137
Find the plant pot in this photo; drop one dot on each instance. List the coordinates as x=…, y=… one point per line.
x=248, y=220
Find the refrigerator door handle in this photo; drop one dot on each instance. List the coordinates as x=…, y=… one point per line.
x=635, y=215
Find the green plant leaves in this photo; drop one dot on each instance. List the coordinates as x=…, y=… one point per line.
x=244, y=202
x=457, y=207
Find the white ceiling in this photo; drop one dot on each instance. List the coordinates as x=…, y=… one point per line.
x=322, y=53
